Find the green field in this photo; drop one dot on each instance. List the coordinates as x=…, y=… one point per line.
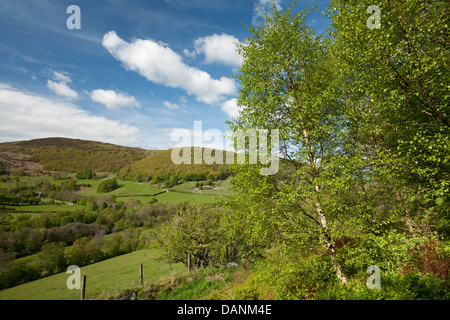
x=28, y=181
x=127, y=188
x=180, y=197
x=173, y=197
x=223, y=187
x=47, y=208
x=103, y=278
x=143, y=192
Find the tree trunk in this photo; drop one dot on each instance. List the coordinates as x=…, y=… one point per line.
x=328, y=241
x=189, y=262
x=406, y=215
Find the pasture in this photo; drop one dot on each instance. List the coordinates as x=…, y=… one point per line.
x=104, y=278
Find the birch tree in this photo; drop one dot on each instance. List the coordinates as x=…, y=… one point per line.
x=285, y=82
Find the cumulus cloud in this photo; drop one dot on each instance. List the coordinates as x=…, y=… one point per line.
x=114, y=100
x=231, y=108
x=60, y=87
x=160, y=64
x=219, y=49
x=31, y=116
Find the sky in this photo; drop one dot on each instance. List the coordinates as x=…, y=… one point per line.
x=128, y=72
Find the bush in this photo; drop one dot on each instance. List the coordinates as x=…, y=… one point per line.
x=85, y=174
x=195, y=230
x=108, y=185
x=394, y=286
x=298, y=277
x=52, y=258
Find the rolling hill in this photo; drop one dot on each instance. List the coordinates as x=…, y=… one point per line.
x=160, y=163
x=73, y=155
x=68, y=155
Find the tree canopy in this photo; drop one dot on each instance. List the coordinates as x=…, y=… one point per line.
x=364, y=129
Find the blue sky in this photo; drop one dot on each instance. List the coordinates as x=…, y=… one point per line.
x=135, y=71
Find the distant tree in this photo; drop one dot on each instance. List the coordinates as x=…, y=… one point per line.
x=85, y=174
x=52, y=257
x=68, y=185
x=84, y=252
x=108, y=185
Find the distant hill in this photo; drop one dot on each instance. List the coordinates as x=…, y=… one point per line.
x=161, y=163
x=68, y=155
x=73, y=155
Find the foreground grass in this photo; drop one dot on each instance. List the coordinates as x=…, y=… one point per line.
x=103, y=278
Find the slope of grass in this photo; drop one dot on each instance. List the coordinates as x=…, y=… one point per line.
x=27, y=181
x=173, y=197
x=221, y=187
x=47, y=208
x=161, y=163
x=127, y=188
x=103, y=278
x=180, y=197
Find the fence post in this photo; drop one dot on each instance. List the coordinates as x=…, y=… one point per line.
x=141, y=275
x=83, y=288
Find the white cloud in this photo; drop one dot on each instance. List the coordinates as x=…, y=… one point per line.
x=171, y=106
x=264, y=6
x=60, y=87
x=113, y=100
x=59, y=76
x=189, y=54
x=219, y=48
x=31, y=116
x=160, y=64
x=231, y=108
x=198, y=137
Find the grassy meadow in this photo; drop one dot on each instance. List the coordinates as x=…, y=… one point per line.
x=103, y=278
x=127, y=188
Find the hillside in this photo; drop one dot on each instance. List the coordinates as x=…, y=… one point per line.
x=68, y=155
x=160, y=163
x=104, y=277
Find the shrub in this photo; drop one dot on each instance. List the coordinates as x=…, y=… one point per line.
x=394, y=286
x=85, y=174
x=108, y=185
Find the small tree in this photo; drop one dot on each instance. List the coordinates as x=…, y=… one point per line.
x=52, y=257
x=108, y=185
x=196, y=230
x=85, y=174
